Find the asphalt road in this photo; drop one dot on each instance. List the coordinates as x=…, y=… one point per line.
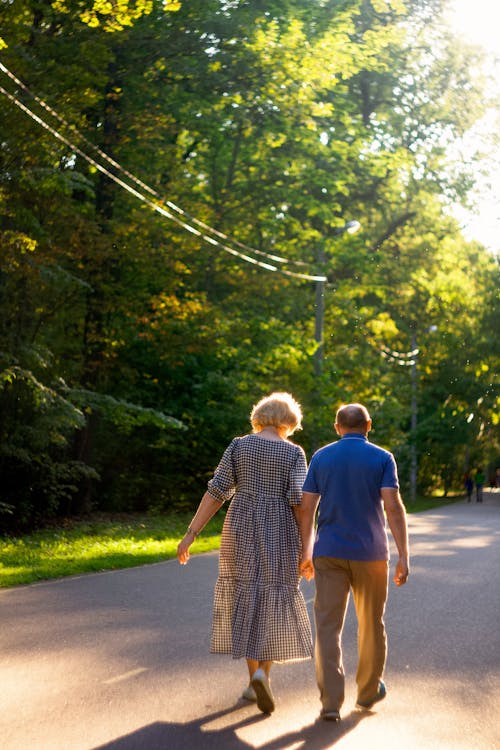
x=120, y=660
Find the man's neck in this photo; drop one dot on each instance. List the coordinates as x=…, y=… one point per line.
x=352, y=431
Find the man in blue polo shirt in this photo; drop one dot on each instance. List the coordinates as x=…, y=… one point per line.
x=354, y=482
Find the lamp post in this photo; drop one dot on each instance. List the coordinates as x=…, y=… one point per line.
x=414, y=412
x=413, y=418
x=410, y=359
x=351, y=227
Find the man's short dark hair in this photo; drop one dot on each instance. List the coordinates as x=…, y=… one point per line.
x=352, y=416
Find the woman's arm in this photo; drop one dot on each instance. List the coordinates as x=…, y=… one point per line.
x=207, y=508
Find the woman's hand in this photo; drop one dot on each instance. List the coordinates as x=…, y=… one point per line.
x=183, y=548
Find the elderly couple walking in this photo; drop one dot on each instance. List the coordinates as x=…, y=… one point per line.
x=269, y=540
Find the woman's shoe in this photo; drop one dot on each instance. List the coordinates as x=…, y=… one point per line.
x=249, y=694
x=265, y=698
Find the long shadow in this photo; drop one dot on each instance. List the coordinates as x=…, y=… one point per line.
x=319, y=735
x=180, y=736
x=172, y=736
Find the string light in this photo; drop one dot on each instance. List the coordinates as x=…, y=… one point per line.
x=405, y=359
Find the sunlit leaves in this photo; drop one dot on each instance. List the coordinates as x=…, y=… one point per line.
x=273, y=126
x=113, y=15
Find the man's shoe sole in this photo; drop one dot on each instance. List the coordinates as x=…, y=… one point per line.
x=330, y=716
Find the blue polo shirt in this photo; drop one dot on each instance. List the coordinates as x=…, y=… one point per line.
x=349, y=475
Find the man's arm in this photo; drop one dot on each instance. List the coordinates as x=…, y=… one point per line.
x=305, y=520
x=396, y=518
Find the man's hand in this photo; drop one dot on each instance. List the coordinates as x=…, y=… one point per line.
x=305, y=520
x=396, y=518
x=401, y=573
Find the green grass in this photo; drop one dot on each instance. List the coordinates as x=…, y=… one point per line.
x=107, y=542
x=99, y=543
x=430, y=502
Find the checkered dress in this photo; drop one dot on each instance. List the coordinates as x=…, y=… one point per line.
x=259, y=611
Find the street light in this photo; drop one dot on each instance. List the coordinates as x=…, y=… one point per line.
x=414, y=412
x=351, y=227
x=410, y=359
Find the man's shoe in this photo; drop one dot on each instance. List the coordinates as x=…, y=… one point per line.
x=265, y=698
x=381, y=693
x=249, y=694
x=330, y=715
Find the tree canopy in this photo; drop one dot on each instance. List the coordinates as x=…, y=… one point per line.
x=174, y=179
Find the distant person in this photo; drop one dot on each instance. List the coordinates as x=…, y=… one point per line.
x=353, y=481
x=469, y=486
x=479, y=478
x=259, y=611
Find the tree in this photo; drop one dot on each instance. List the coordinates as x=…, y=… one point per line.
x=263, y=128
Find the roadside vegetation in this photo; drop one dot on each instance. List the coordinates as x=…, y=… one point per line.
x=110, y=542
x=135, y=339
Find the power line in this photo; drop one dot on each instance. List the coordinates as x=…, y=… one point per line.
x=157, y=205
x=136, y=180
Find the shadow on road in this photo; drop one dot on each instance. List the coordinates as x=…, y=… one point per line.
x=170, y=736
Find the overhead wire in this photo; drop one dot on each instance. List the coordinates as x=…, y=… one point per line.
x=159, y=204
x=139, y=182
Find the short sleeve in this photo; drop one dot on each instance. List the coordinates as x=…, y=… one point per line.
x=390, y=474
x=310, y=484
x=223, y=483
x=298, y=473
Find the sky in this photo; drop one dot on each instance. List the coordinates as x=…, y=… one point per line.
x=478, y=21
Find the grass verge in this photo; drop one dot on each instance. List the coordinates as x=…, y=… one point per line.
x=100, y=542
x=111, y=542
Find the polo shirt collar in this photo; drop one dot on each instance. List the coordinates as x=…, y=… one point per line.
x=355, y=436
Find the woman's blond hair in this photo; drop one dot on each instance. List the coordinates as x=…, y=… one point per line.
x=277, y=410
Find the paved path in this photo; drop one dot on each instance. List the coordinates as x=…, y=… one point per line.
x=120, y=660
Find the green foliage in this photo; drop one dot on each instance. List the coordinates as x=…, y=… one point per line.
x=132, y=350
x=123, y=415
x=36, y=424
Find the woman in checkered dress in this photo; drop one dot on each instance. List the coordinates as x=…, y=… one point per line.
x=259, y=611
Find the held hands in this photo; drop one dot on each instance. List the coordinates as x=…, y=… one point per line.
x=306, y=569
x=401, y=572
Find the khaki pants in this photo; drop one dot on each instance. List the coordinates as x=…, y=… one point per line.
x=369, y=581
